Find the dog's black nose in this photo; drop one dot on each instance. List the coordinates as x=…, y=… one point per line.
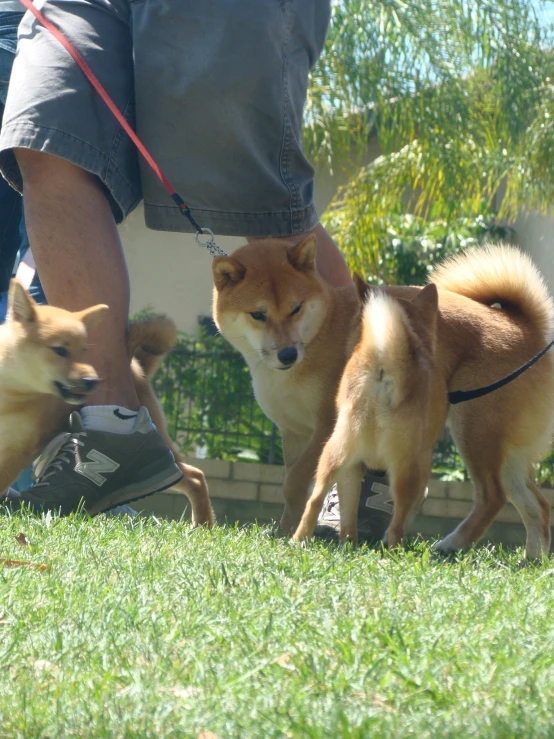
x=90, y=383
x=288, y=356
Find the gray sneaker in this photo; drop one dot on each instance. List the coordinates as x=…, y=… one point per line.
x=99, y=470
x=374, y=510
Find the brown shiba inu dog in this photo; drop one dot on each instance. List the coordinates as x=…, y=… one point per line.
x=486, y=313
x=296, y=333
x=43, y=369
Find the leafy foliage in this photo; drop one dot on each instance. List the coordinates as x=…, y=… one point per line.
x=545, y=470
x=409, y=245
x=458, y=93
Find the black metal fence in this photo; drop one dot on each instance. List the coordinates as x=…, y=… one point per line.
x=206, y=391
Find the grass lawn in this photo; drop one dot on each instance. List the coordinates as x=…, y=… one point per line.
x=146, y=629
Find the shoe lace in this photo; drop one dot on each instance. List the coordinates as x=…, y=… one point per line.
x=61, y=450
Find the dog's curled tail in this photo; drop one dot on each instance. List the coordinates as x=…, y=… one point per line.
x=149, y=340
x=391, y=349
x=499, y=274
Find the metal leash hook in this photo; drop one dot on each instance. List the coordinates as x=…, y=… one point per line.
x=209, y=244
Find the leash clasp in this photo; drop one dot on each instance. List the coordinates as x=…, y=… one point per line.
x=209, y=243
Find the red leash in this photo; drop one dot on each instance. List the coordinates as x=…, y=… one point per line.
x=94, y=81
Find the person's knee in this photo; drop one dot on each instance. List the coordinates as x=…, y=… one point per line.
x=38, y=168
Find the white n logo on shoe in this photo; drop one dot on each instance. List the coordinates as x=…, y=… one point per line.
x=99, y=463
x=382, y=501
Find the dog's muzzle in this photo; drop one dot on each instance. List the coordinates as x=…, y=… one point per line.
x=77, y=393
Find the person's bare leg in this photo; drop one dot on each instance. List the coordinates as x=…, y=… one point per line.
x=329, y=261
x=79, y=257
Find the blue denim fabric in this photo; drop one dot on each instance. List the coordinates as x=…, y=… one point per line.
x=9, y=22
x=11, y=210
x=3, y=307
x=13, y=234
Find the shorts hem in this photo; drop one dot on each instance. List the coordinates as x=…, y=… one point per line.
x=224, y=223
x=123, y=197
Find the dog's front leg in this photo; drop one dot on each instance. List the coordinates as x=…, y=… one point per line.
x=300, y=475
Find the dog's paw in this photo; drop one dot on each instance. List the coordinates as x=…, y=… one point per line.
x=448, y=545
x=392, y=539
x=532, y=560
x=299, y=543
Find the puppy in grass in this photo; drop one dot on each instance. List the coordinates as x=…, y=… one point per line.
x=485, y=314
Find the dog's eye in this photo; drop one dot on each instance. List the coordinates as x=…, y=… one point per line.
x=61, y=351
x=296, y=310
x=258, y=315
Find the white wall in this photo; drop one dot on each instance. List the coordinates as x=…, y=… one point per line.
x=169, y=271
x=535, y=234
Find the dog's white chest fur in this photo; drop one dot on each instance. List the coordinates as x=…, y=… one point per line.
x=292, y=406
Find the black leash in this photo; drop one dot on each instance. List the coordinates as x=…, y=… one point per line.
x=460, y=396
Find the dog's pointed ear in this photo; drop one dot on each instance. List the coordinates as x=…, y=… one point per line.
x=302, y=256
x=92, y=316
x=362, y=288
x=227, y=271
x=423, y=310
x=428, y=298
x=21, y=306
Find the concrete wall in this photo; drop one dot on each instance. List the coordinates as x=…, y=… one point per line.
x=244, y=493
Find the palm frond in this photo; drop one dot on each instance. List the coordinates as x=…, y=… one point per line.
x=458, y=94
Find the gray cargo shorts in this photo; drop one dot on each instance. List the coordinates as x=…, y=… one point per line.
x=214, y=88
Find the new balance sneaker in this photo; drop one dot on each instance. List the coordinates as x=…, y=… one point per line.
x=98, y=470
x=374, y=510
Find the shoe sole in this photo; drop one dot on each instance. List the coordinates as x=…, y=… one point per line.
x=132, y=492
